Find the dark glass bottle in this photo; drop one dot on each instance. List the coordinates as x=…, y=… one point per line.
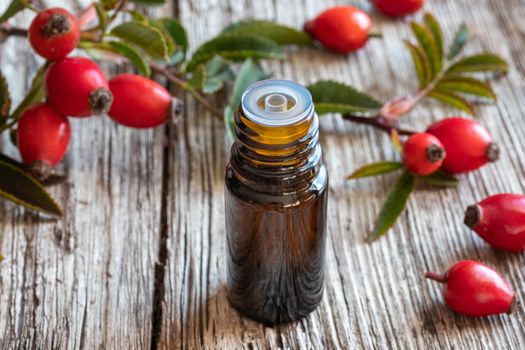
x=276, y=193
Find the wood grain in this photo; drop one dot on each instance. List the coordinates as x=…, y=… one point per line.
x=139, y=259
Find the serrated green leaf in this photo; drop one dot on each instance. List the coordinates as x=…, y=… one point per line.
x=453, y=100
x=484, y=62
x=394, y=205
x=102, y=16
x=281, y=34
x=14, y=7
x=149, y=2
x=217, y=73
x=334, y=97
x=36, y=92
x=249, y=73
x=435, y=28
x=198, y=77
x=146, y=37
x=375, y=169
x=170, y=43
x=426, y=42
x=467, y=85
x=441, y=179
x=236, y=48
x=460, y=39
x=134, y=56
x=5, y=99
x=17, y=186
x=421, y=63
x=138, y=16
x=176, y=31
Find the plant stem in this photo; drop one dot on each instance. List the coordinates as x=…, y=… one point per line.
x=378, y=122
x=183, y=84
x=436, y=277
x=7, y=30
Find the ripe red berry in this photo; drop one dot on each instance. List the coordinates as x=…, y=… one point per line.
x=423, y=154
x=43, y=137
x=500, y=221
x=397, y=8
x=139, y=102
x=54, y=33
x=342, y=29
x=467, y=143
x=77, y=87
x=474, y=289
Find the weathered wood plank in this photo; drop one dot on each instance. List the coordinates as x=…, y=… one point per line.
x=139, y=259
x=376, y=296
x=85, y=281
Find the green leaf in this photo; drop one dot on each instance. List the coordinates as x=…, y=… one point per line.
x=333, y=97
x=102, y=16
x=426, y=41
x=198, y=77
x=148, y=38
x=229, y=122
x=138, y=16
x=282, y=35
x=50, y=180
x=134, y=56
x=395, y=204
x=374, y=169
x=421, y=63
x=460, y=39
x=441, y=179
x=217, y=73
x=176, y=32
x=14, y=7
x=437, y=34
x=249, y=73
x=453, y=100
x=149, y=2
x=170, y=43
x=5, y=99
x=36, y=92
x=19, y=187
x=467, y=85
x=484, y=62
x=236, y=48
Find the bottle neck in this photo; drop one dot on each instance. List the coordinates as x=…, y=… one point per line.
x=283, y=159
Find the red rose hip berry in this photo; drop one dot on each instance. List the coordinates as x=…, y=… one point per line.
x=468, y=144
x=423, y=154
x=77, y=87
x=474, y=289
x=139, y=102
x=398, y=8
x=342, y=29
x=499, y=220
x=54, y=33
x=43, y=136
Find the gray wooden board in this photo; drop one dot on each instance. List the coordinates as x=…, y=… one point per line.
x=139, y=259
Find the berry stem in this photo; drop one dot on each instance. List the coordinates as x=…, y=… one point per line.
x=7, y=30
x=183, y=84
x=435, y=277
x=378, y=122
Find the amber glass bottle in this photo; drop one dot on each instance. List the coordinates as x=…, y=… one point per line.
x=276, y=193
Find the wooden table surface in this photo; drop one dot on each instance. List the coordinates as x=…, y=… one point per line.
x=138, y=261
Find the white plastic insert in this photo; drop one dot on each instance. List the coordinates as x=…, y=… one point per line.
x=275, y=102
